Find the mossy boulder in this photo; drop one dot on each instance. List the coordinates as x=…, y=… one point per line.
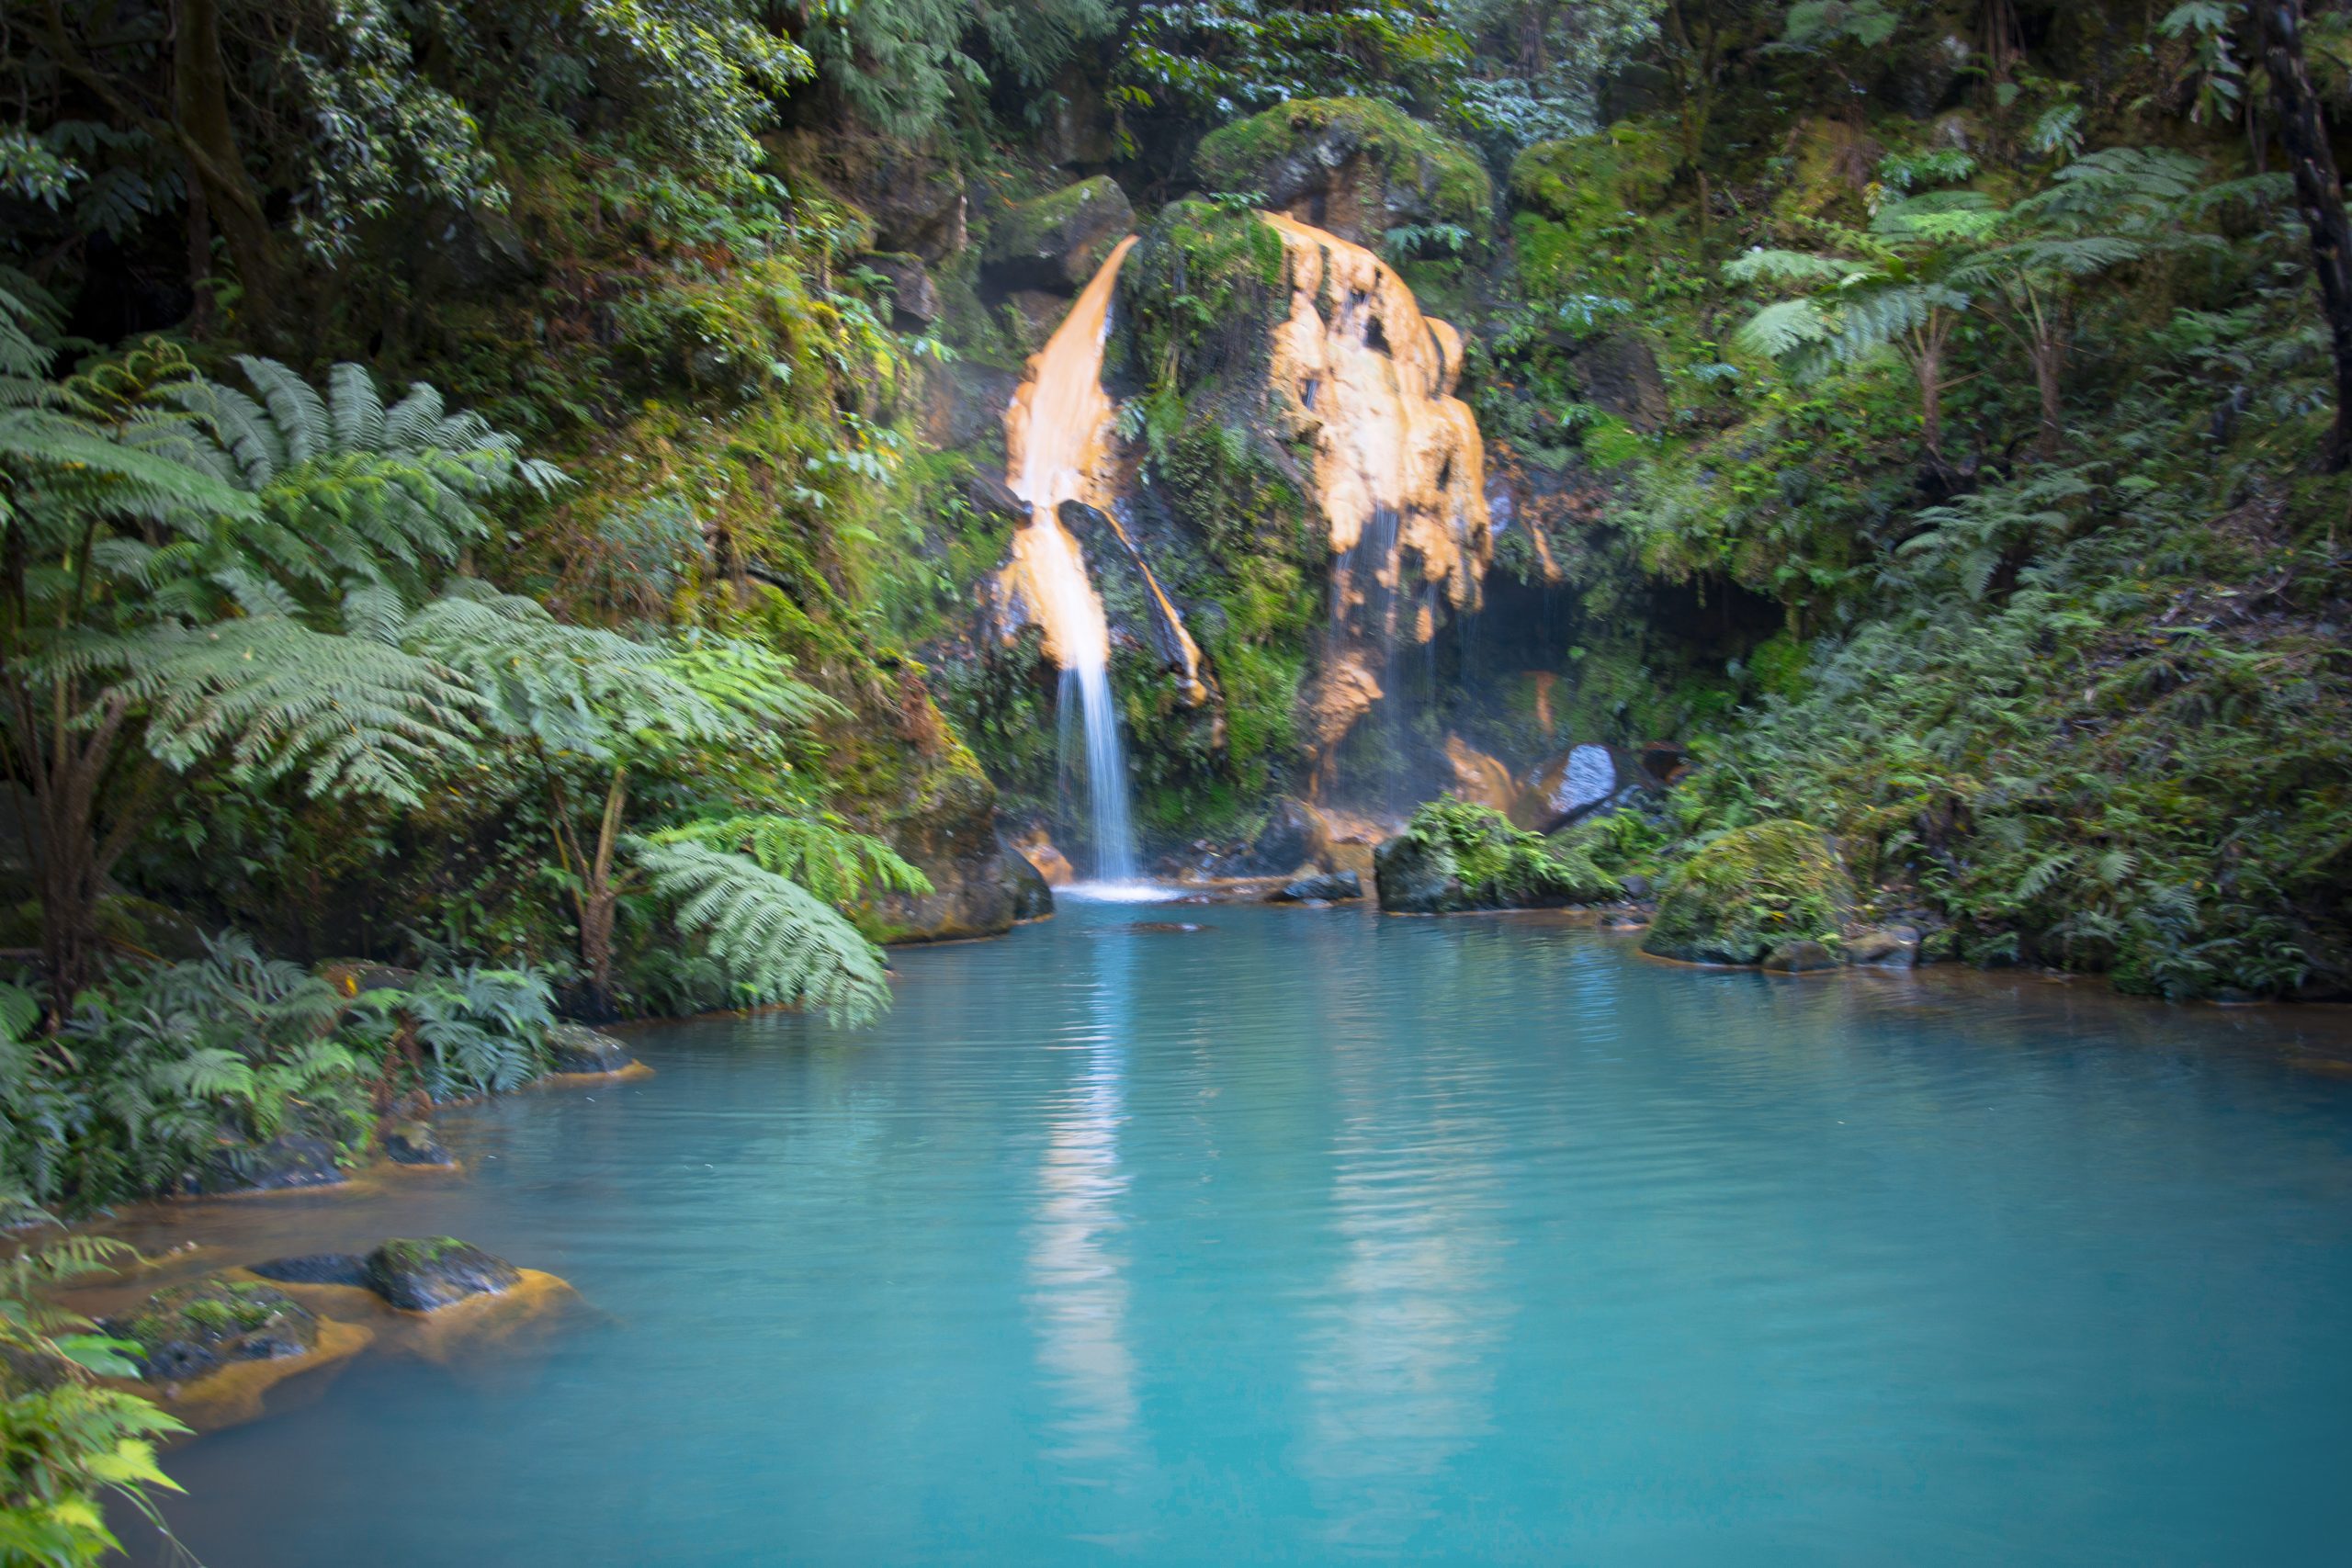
x=1455, y=856
x=1754, y=891
x=1058, y=242
x=1358, y=167
x=574, y=1048
x=424, y=1274
x=189, y=1331
x=414, y=1143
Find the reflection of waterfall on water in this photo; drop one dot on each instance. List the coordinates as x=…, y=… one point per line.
x=1400, y=1363
x=1078, y=1293
x=1057, y=443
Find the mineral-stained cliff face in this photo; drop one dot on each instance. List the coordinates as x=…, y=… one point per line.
x=1367, y=380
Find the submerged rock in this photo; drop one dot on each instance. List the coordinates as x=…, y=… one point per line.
x=1332, y=887
x=575, y=1048
x=192, y=1330
x=1751, y=891
x=316, y=1268
x=414, y=1143
x=427, y=1274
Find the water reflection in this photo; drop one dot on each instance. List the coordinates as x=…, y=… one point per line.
x=1400, y=1370
x=1078, y=1293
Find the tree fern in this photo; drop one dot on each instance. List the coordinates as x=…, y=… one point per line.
x=830, y=860
x=778, y=938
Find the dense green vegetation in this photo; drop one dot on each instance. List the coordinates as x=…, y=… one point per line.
x=506, y=490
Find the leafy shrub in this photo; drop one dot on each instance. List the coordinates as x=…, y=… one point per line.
x=1499, y=865
x=483, y=1030
x=66, y=1443
x=1750, y=890
x=150, y=1076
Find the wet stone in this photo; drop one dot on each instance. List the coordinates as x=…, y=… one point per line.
x=573, y=1048
x=423, y=1274
x=316, y=1268
x=413, y=1142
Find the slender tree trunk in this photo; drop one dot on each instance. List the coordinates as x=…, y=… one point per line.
x=2319, y=192
x=2049, y=356
x=1929, y=367
x=63, y=770
x=600, y=896
x=216, y=162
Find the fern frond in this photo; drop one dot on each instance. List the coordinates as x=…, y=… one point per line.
x=772, y=933
x=834, y=863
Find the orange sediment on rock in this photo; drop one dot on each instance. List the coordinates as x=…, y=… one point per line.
x=1359, y=370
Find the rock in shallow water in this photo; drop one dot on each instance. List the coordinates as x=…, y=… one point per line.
x=574, y=1048
x=316, y=1268
x=413, y=1142
x=1332, y=888
x=424, y=1274
x=191, y=1330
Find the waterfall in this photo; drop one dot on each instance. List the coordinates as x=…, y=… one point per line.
x=1058, y=444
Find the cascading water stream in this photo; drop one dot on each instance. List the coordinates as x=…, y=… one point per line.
x=1058, y=444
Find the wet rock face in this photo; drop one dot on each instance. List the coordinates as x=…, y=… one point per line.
x=423, y=1275
x=1058, y=243
x=917, y=201
x=1415, y=879
x=914, y=299
x=1293, y=837
x=191, y=1330
x=573, y=1048
x=1478, y=777
x=1619, y=373
x=288, y=1161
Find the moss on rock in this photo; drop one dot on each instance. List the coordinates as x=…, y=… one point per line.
x=192, y=1330
x=1752, y=891
x=1360, y=167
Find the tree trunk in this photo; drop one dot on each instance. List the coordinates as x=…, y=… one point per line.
x=216, y=164
x=2049, y=358
x=2319, y=193
x=600, y=897
x=1931, y=397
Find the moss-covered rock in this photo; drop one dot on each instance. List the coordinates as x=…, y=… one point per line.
x=1359, y=167
x=1456, y=856
x=1058, y=241
x=1754, y=891
x=189, y=1331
